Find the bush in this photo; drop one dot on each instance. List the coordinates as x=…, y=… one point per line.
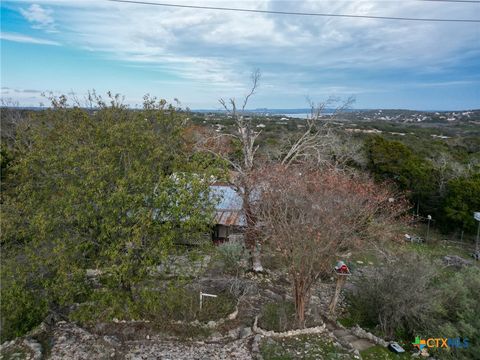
x=21, y=310
x=174, y=303
x=105, y=306
x=405, y=299
x=29, y=290
x=179, y=303
x=458, y=313
x=270, y=259
x=231, y=255
x=397, y=298
x=278, y=316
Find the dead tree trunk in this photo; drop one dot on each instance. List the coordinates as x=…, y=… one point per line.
x=247, y=137
x=251, y=233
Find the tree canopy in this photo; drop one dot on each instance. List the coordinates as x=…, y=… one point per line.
x=461, y=201
x=310, y=217
x=107, y=189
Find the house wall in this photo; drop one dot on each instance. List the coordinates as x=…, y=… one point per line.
x=223, y=231
x=226, y=233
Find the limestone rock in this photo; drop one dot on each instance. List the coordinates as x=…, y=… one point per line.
x=245, y=332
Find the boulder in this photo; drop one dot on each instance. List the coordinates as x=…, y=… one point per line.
x=245, y=332
x=456, y=261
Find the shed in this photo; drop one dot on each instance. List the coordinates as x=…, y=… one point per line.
x=229, y=216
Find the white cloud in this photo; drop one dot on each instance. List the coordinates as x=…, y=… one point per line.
x=447, y=83
x=39, y=17
x=220, y=49
x=27, y=39
x=24, y=97
x=148, y=31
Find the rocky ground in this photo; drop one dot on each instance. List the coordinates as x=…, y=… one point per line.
x=235, y=337
x=69, y=341
x=238, y=349
x=136, y=340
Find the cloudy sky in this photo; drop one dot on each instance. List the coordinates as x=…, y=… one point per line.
x=199, y=56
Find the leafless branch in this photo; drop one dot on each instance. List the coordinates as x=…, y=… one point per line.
x=255, y=79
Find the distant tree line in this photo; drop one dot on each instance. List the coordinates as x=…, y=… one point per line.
x=434, y=188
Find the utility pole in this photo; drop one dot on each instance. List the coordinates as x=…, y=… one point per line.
x=476, y=216
x=476, y=241
x=429, y=217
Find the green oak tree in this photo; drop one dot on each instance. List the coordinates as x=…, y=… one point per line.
x=107, y=188
x=460, y=202
x=395, y=161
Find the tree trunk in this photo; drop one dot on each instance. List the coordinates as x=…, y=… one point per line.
x=300, y=296
x=340, y=282
x=250, y=232
x=256, y=260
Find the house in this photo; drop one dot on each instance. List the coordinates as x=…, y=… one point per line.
x=229, y=217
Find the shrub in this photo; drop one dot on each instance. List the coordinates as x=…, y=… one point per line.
x=106, y=306
x=174, y=303
x=278, y=316
x=458, y=313
x=20, y=311
x=231, y=255
x=405, y=299
x=397, y=297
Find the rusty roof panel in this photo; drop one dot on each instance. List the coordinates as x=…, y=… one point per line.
x=229, y=218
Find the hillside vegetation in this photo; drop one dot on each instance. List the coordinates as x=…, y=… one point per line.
x=101, y=206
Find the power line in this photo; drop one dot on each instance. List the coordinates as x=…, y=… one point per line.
x=298, y=13
x=453, y=1
x=444, y=1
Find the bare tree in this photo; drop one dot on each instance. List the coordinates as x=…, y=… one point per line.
x=447, y=168
x=312, y=144
x=247, y=137
x=319, y=141
x=310, y=217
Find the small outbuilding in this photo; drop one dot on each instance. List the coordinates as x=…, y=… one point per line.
x=229, y=217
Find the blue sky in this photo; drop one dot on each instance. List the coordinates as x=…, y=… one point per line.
x=199, y=56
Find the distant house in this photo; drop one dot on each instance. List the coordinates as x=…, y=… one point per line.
x=229, y=216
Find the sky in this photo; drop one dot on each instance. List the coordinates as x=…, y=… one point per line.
x=199, y=56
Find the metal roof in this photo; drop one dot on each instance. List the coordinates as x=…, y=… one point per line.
x=229, y=207
x=229, y=218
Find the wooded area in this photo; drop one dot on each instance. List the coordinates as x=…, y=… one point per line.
x=97, y=200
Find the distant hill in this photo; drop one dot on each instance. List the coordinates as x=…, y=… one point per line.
x=394, y=115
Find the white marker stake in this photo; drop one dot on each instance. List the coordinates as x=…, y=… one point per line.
x=207, y=295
